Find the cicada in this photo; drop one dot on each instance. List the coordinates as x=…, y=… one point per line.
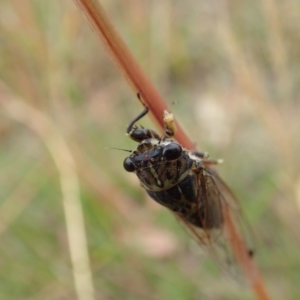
x=182, y=181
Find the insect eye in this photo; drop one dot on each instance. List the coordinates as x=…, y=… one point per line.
x=128, y=165
x=172, y=151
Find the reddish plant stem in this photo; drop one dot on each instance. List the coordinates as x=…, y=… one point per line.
x=243, y=256
x=128, y=65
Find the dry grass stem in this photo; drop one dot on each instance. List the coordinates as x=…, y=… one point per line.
x=251, y=82
x=277, y=50
x=45, y=129
x=17, y=201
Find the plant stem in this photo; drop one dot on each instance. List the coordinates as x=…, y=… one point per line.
x=128, y=65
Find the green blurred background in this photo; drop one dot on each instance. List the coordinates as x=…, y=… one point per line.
x=229, y=70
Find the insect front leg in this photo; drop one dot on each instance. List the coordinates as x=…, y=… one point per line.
x=205, y=160
x=200, y=154
x=169, y=124
x=140, y=134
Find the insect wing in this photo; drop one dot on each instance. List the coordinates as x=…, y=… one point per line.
x=236, y=212
x=214, y=195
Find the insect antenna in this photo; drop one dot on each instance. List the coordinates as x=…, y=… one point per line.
x=126, y=150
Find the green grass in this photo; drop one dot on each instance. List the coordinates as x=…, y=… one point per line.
x=230, y=75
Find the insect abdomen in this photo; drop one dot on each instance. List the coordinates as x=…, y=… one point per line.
x=183, y=200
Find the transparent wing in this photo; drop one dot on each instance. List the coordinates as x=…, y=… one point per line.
x=235, y=209
x=213, y=196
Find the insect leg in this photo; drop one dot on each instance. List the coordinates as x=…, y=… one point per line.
x=208, y=162
x=169, y=124
x=140, y=134
x=130, y=127
x=200, y=154
x=205, y=160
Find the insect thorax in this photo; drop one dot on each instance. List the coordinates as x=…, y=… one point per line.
x=154, y=171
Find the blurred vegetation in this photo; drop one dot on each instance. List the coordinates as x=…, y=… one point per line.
x=230, y=71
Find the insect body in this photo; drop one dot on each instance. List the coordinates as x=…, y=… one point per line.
x=183, y=181
x=176, y=177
